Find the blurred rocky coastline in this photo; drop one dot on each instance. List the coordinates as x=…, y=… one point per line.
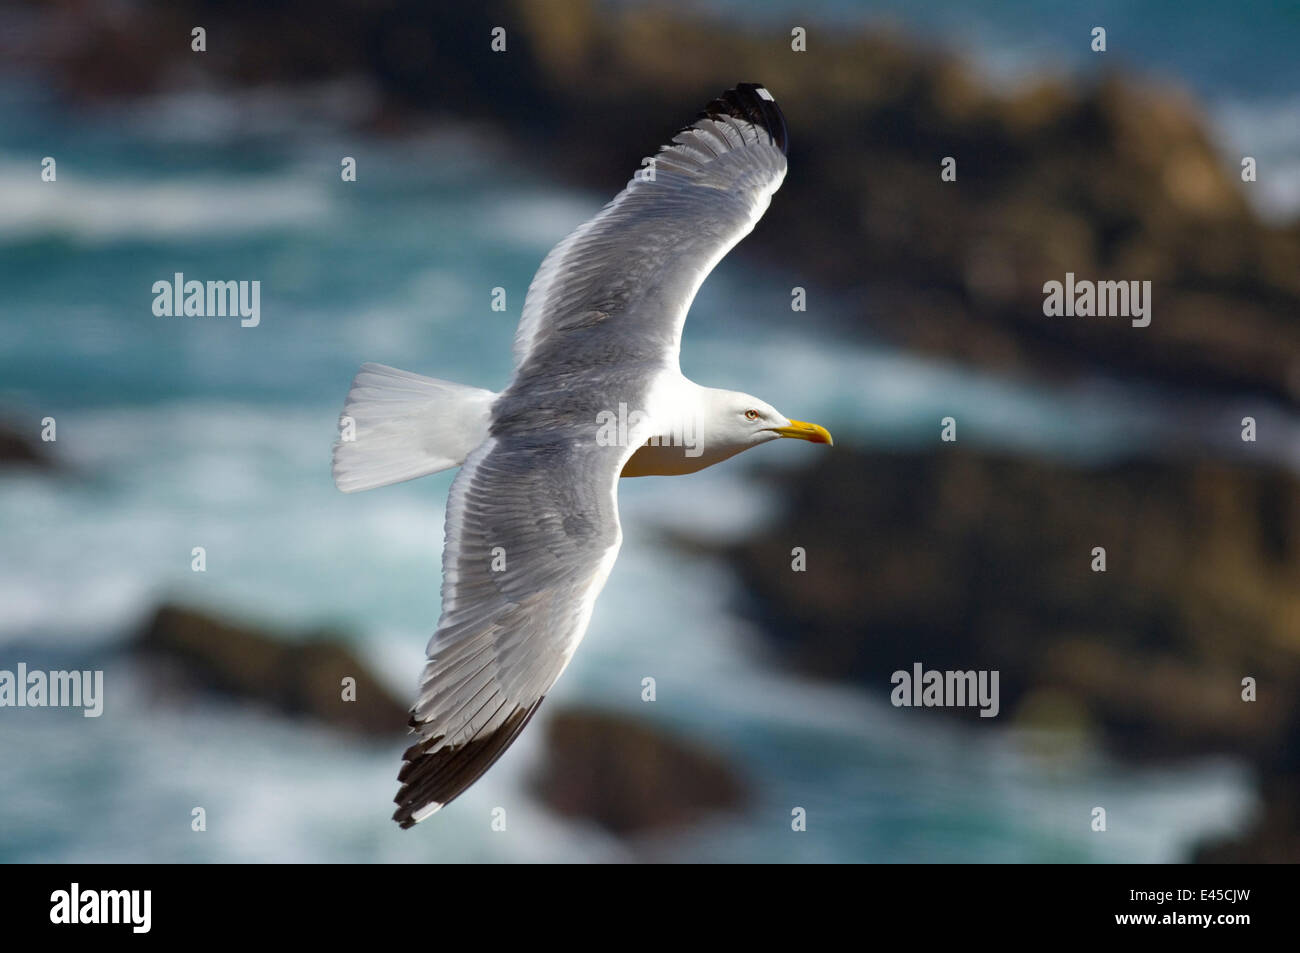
x=956, y=558
x=1112, y=180
x=972, y=560
x=615, y=771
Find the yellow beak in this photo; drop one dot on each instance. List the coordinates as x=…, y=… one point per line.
x=813, y=433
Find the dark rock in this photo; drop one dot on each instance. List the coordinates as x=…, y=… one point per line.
x=1274, y=837
x=17, y=449
x=981, y=558
x=191, y=650
x=967, y=560
x=630, y=776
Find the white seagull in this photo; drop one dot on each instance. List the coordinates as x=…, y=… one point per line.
x=532, y=524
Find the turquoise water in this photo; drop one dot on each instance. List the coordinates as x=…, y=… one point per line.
x=183, y=432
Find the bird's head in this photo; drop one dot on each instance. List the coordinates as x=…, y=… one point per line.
x=737, y=421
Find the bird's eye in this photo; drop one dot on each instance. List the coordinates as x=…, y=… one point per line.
x=751, y=415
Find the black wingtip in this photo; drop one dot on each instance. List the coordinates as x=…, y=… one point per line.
x=754, y=104
x=439, y=776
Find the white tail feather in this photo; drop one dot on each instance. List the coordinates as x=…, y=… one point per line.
x=406, y=426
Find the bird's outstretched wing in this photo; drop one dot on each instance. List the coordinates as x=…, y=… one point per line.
x=532, y=518
x=532, y=531
x=626, y=278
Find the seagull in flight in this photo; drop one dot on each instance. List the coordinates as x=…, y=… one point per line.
x=597, y=393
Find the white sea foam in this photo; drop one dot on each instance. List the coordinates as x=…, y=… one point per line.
x=102, y=209
x=536, y=219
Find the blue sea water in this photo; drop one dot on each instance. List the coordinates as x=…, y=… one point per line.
x=183, y=432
